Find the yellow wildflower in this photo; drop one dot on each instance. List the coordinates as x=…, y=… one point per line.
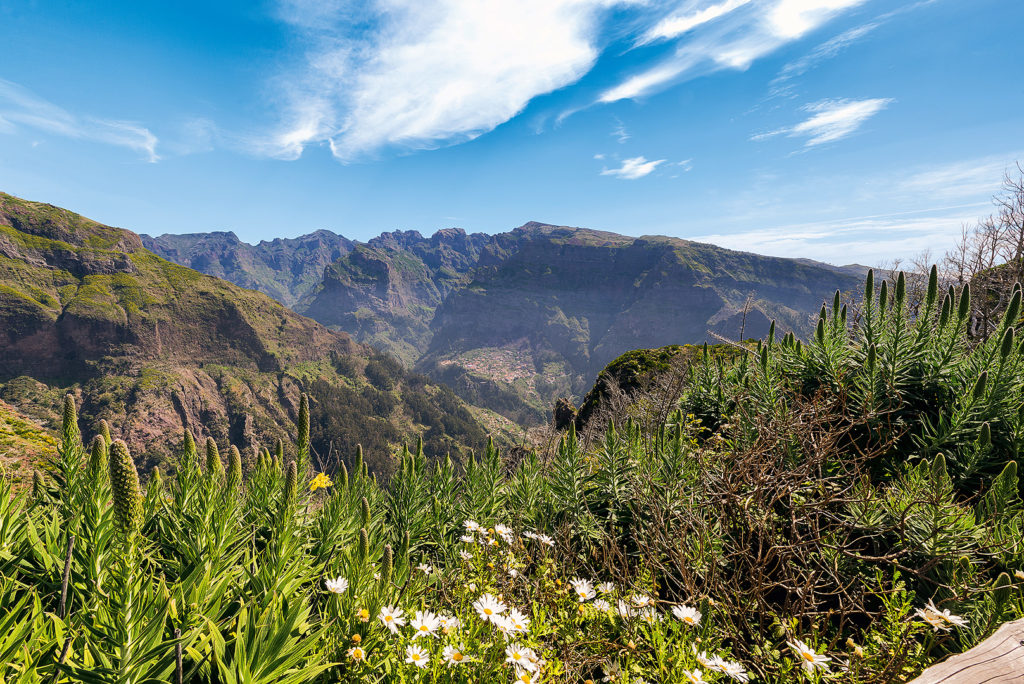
x=321, y=481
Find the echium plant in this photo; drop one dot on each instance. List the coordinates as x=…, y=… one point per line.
x=124, y=485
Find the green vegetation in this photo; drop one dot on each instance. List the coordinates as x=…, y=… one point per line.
x=845, y=509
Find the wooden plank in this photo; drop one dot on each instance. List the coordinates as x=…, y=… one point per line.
x=996, y=660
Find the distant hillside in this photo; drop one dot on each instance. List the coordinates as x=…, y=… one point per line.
x=514, y=320
x=549, y=306
x=286, y=269
x=154, y=347
x=385, y=293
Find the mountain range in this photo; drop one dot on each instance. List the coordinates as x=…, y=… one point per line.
x=155, y=347
x=512, y=321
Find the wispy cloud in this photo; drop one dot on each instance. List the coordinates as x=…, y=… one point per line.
x=620, y=132
x=827, y=50
x=830, y=120
x=869, y=240
x=688, y=19
x=727, y=35
x=19, y=108
x=420, y=74
x=633, y=168
x=965, y=178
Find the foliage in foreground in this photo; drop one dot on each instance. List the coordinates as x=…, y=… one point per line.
x=842, y=510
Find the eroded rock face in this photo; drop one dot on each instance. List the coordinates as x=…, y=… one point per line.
x=570, y=300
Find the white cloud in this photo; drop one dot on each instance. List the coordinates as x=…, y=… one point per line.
x=827, y=50
x=869, y=240
x=728, y=35
x=831, y=120
x=967, y=178
x=684, y=22
x=636, y=167
x=419, y=74
x=793, y=18
x=21, y=108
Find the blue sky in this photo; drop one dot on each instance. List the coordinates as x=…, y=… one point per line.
x=843, y=130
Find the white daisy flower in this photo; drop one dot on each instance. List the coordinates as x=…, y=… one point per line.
x=809, y=659
x=602, y=605
x=424, y=568
x=641, y=600
x=694, y=676
x=415, y=655
x=625, y=612
x=612, y=672
x=501, y=623
x=357, y=654
x=584, y=589
x=521, y=657
x=530, y=535
x=940, y=620
x=472, y=526
x=606, y=587
x=545, y=539
x=487, y=606
x=465, y=555
x=392, y=617
x=650, y=615
x=448, y=623
x=337, y=586
x=468, y=539
x=424, y=623
x=687, y=615
x=455, y=655
x=703, y=659
x=517, y=622
x=524, y=677
x=734, y=670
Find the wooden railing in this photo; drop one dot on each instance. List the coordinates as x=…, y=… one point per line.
x=996, y=660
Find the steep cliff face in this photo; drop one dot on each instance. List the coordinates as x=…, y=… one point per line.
x=286, y=269
x=385, y=292
x=549, y=306
x=155, y=347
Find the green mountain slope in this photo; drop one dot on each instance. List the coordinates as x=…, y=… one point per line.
x=153, y=347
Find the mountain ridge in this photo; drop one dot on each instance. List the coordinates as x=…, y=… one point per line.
x=155, y=347
x=514, y=319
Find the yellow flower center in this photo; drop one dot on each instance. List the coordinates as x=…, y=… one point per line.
x=808, y=656
x=388, y=618
x=488, y=611
x=423, y=628
x=456, y=656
